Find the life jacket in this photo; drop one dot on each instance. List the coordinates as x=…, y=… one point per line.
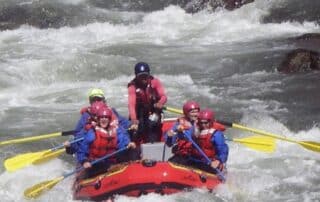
x=204, y=142
x=184, y=146
x=146, y=96
x=105, y=142
x=218, y=126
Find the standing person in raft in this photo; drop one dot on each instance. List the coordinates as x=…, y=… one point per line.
x=176, y=136
x=105, y=138
x=211, y=140
x=146, y=98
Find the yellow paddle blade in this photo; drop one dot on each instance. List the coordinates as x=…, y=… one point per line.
x=22, y=160
x=36, y=190
x=30, y=139
x=314, y=146
x=259, y=143
x=48, y=156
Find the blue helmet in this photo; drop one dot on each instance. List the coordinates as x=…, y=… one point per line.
x=141, y=68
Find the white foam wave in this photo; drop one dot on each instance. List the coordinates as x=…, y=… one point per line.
x=13, y=184
x=169, y=26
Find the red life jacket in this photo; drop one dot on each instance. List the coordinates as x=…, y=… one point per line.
x=105, y=142
x=145, y=96
x=204, y=142
x=218, y=126
x=184, y=146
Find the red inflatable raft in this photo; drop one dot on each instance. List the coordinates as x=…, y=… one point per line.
x=143, y=177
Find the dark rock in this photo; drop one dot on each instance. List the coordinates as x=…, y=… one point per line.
x=194, y=6
x=300, y=60
x=191, y=6
x=294, y=11
x=12, y=17
x=233, y=4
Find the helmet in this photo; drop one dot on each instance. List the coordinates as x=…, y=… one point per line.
x=104, y=112
x=206, y=114
x=141, y=68
x=96, y=92
x=96, y=106
x=189, y=105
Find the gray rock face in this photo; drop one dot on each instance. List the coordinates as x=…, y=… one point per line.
x=300, y=60
x=194, y=6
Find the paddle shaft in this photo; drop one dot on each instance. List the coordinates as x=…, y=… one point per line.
x=220, y=175
x=234, y=125
x=310, y=145
x=94, y=162
x=35, y=138
x=173, y=110
x=62, y=145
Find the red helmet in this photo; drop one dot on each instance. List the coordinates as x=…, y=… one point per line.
x=104, y=112
x=96, y=106
x=190, y=105
x=206, y=114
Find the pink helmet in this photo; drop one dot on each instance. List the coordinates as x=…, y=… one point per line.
x=96, y=106
x=206, y=114
x=190, y=105
x=104, y=112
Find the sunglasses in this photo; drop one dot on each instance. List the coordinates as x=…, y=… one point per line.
x=104, y=117
x=204, y=122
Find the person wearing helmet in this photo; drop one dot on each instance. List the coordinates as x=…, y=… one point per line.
x=95, y=95
x=146, y=98
x=211, y=141
x=184, y=126
x=88, y=117
x=101, y=140
x=87, y=120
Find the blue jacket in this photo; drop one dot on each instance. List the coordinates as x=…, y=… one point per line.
x=84, y=146
x=222, y=149
x=81, y=123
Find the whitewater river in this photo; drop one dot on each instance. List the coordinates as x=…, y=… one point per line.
x=226, y=60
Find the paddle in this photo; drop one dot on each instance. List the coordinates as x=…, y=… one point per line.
x=310, y=145
x=35, y=138
x=173, y=110
x=23, y=160
x=219, y=173
x=36, y=190
x=258, y=143
x=254, y=142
